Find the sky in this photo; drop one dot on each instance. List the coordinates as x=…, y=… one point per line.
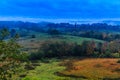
x=59, y=10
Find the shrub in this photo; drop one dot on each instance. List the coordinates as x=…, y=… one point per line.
x=118, y=61
x=33, y=36
x=53, y=32
x=29, y=67
x=23, y=57
x=95, y=54
x=115, y=55
x=37, y=56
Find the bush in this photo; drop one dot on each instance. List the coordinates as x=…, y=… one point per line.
x=95, y=54
x=29, y=67
x=53, y=32
x=115, y=55
x=118, y=61
x=33, y=36
x=37, y=56
x=106, y=55
x=23, y=57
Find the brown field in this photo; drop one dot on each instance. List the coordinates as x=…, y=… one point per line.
x=92, y=69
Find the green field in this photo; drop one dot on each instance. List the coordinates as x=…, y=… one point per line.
x=75, y=68
x=34, y=43
x=79, y=70
x=45, y=72
x=101, y=69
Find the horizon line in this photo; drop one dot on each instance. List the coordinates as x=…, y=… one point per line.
x=56, y=20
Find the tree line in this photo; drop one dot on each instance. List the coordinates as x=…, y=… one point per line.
x=86, y=49
x=106, y=36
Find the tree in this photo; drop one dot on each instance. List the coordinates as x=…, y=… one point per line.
x=9, y=55
x=13, y=32
x=4, y=33
x=53, y=32
x=88, y=48
x=33, y=36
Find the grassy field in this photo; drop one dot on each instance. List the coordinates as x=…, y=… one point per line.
x=93, y=69
x=76, y=69
x=34, y=43
x=69, y=69
x=47, y=72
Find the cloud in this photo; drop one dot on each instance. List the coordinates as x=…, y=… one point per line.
x=76, y=9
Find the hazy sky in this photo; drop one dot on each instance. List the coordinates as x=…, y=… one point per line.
x=59, y=9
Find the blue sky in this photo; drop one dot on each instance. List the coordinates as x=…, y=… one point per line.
x=59, y=9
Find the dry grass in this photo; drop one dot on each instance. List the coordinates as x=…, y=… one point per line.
x=93, y=69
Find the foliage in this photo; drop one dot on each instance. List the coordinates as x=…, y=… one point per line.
x=98, y=35
x=10, y=56
x=33, y=36
x=118, y=61
x=4, y=33
x=63, y=49
x=115, y=55
x=54, y=49
x=53, y=32
x=50, y=49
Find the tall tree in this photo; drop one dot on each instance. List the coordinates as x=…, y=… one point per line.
x=9, y=55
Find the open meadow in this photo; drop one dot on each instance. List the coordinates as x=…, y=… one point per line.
x=76, y=69
x=33, y=44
